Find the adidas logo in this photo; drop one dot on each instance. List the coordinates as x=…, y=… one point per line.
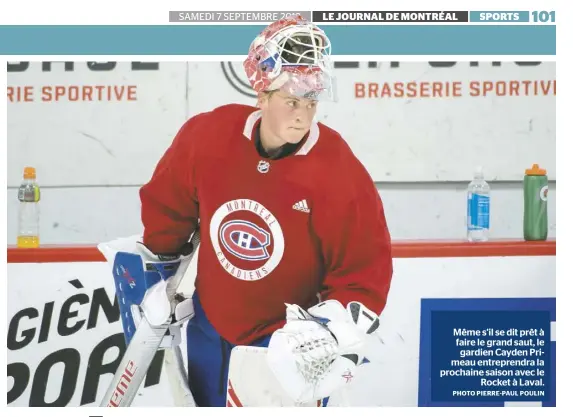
x=301, y=206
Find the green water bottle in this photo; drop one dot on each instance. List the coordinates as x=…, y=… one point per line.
x=535, y=188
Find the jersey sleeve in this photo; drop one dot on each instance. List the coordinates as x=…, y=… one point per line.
x=356, y=245
x=169, y=206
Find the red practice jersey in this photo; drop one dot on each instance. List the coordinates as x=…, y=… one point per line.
x=272, y=231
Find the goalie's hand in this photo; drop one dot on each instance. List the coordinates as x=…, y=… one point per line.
x=317, y=352
x=184, y=311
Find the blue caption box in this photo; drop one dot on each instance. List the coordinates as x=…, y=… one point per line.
x=449, y=326
x=490, y=356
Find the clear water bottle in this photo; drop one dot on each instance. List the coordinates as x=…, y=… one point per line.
x=478, y=208
x=29, y=211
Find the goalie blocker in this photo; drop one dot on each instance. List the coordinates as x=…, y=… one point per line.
x=151, y=315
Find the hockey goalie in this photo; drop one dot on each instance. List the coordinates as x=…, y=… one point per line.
x=295, y=263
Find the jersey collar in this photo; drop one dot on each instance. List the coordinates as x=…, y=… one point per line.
x=311, y=141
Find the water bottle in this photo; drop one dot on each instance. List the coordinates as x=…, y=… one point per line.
x=535, y=188
x=478, y=208
x=29, y=211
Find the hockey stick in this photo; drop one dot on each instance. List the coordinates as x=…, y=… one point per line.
x=177, y=376
x=140, y=352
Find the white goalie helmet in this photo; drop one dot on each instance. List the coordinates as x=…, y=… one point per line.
x=292, y=55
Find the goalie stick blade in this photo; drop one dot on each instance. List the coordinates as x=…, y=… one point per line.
x=134, y=365
x=177, y=376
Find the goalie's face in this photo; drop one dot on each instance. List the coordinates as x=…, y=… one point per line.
x=285, y=117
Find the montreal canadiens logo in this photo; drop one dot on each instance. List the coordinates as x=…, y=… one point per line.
x=245, y=240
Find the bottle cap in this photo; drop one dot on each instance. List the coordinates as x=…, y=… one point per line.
x=535, y=170
x=478, y=172
x=29, y=173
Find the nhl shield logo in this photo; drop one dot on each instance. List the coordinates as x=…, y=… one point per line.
x=263, y=167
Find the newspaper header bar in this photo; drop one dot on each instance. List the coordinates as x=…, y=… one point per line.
x=232, y=16
x=422, y=39
x=367, y=17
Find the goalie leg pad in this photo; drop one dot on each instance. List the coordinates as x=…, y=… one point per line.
x=208, y=357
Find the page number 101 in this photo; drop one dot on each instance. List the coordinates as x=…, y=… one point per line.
x=543, y=16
